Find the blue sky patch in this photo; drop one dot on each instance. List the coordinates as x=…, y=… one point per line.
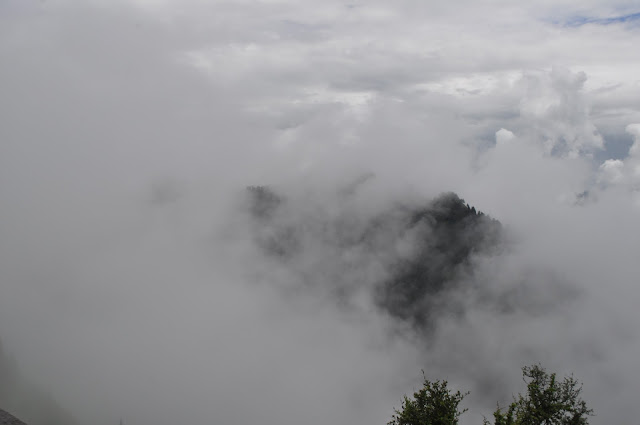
x=578, y=21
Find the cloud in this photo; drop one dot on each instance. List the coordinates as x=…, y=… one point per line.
x=611, y=171
x=504, y=136
x=625, y=173
x=132, y=285
x=552, y=105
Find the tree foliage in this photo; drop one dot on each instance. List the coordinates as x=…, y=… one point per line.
x=547, y=401
x=434, y=404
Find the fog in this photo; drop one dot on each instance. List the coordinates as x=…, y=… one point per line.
x=137, y=283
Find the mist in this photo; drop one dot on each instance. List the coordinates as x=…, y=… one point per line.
x=226, y=212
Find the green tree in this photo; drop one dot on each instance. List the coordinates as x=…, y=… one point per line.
x=434, y=404
x=547, y=401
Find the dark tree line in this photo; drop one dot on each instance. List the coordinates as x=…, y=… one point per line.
x=547, y=401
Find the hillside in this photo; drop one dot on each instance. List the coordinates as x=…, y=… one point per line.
x=407, y=253
x=24, y=399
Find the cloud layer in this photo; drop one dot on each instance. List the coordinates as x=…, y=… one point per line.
x=131, y=284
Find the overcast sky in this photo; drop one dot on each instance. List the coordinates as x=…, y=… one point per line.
x=129, y=283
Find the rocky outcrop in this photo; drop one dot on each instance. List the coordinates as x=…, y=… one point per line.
x=26, y=399
x=8, y=419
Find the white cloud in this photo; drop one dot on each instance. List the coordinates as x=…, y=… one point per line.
x=127, y=127
x=554, y=108
x=612, y=171
x=634, y=130
x=504, y=136
x=624, y=172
